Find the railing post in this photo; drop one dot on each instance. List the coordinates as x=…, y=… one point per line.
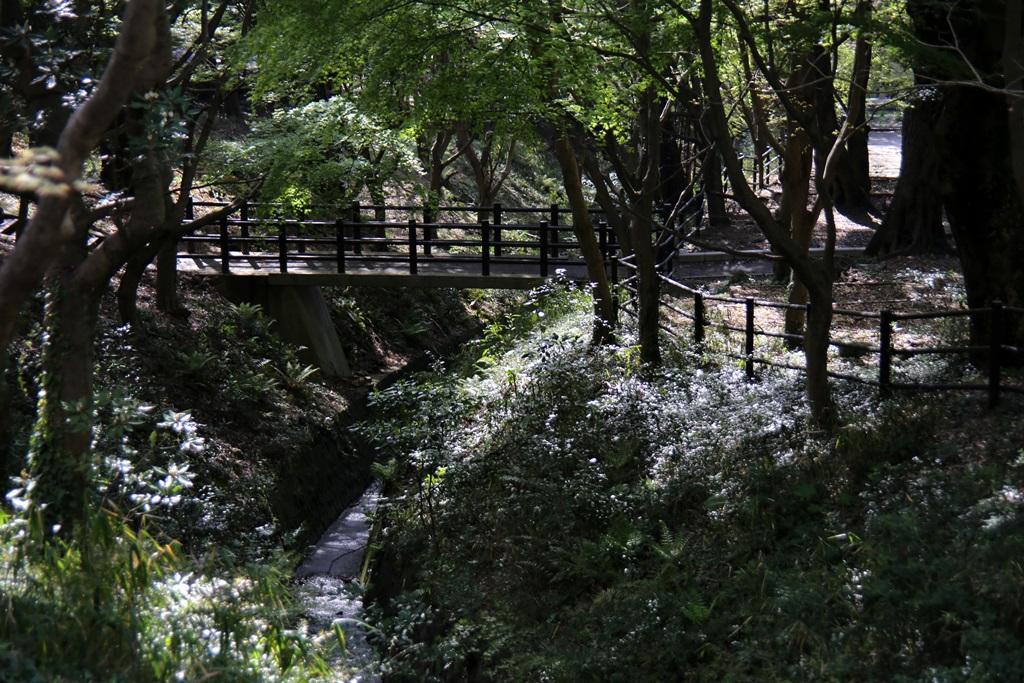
x=615, y=290
x=430, y=219
x=413, y=259
x=750, y=339
x=282, y=247
x=885, y=354
x=698, y=318
x=554, y=231
x=245, y=227
x=485, y=246
x=225, y=246
x=995, y=353
x=497, y=229
x=339, y=238
x=543, y=234
x=429, y=235
x=357, y=247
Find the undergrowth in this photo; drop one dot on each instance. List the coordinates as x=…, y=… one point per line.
x=116, y=599
x=561, y=513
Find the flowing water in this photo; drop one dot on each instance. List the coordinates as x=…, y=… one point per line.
x=329, y=586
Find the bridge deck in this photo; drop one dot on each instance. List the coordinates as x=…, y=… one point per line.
x=372, y=272
x=283, y=251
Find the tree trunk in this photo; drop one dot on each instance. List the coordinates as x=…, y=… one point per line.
x=583, y=228
x=167, y=299
x=128, y=288
x=913, y=224
x=643, y=233
x=616, y=218
x=649, y=299
x=817, y=275
x=816, y=342
x=983, y=204
x=714, y=189
x=6, y=127
x=857, y=143
x=1013, y=66
x=22, y=271
x=796, y=192
x=980, y=191
x=674, y=178
x=58, y=458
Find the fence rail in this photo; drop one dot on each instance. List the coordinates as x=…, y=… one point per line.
x=246, y=239
x=994, y=354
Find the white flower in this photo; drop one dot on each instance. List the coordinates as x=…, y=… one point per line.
x=179, y=423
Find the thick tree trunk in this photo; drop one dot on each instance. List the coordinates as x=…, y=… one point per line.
x=128, y=288
x=583, y=228
x=913, y=224
x=167, y=299
x=983, y=204
x=58, y=461
x=163, y=248
x=980, y=191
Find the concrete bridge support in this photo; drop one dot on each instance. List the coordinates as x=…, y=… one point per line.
x=301, y=316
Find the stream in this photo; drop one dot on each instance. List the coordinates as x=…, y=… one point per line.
x=329, y=586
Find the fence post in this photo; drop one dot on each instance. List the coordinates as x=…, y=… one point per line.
x=485, y=246
x=698, y=318
x=995, y=352
x=615, y=290
x=544, y=235
x=750, y=339
x=298, y=232
x=357, y=247
x=413, y=262
x=245, y=227
x=555, y=232
x=497, y=229
x=339, y=239
x=885, y=354
x=282, y=247
x=225, y=246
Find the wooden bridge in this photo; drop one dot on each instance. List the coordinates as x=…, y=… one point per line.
x=504, y=248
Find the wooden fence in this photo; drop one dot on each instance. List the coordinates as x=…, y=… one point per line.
x=994, y=354
x=508, y=237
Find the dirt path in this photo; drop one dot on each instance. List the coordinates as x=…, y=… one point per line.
x=884, y=158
